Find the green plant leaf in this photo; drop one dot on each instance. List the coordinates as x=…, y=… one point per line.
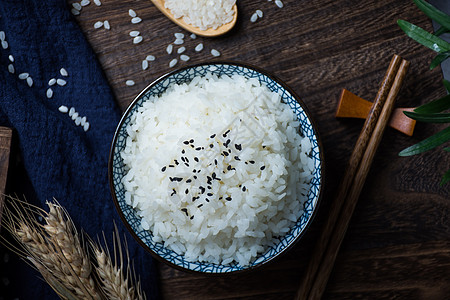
x=446, y=178
x=447, y=149
x=447, y=85
x=434, y=106
x=427, y=144
x=424, y=37
x=440, y=31
x=438, y=59
x=434, y=13
x=428, y=118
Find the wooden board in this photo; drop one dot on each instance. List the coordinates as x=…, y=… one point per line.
x=5, y=148
x=397, y=243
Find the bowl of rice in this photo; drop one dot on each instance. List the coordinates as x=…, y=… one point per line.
x=216, y=168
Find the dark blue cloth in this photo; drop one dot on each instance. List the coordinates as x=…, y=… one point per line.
x=60, y=159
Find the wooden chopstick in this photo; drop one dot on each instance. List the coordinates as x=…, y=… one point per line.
x=322, y=261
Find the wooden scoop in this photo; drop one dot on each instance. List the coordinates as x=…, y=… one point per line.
x=352, y=106
x=208, y=33
x=5, y=147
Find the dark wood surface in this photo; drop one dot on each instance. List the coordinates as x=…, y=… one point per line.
x=398, y=242
x=5, y=149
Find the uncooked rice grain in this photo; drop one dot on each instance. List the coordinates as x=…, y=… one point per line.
x=63, y=72
x=61, y=82
x=63, y=109
x=203, y=14
x=173, y=62
x=136, y=20
x=11, y=69
x=129, y=82
x=49, y=93
x=199, y=47
x=214, y=52
x=220, y=179
x=137, y=39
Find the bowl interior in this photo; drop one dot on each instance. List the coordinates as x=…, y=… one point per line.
x=117, y=171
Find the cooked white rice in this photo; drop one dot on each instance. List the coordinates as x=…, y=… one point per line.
x=203, y=14
x=216, y=168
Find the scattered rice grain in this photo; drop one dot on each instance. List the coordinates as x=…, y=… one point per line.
x=23, y=75
x=193, y=36
x=181, y=50
x=214, y=52
x=75, y=12
x=4, y=44
x=63, y=72
x=134, y=33
x=30, y=81
x=76, y=6
x=2, y=35
x=51, y=81
x=253, y=18
x=136, y=20
x=132, y=13
x=77, y=121
x=85, y=2
x=61, y=82
x=144, y=64
x=106, y=25
x=259, y=13
x=169, y=49
x=137, y=39
x=98, y=2
x=71, y=111
x=49, y=93
x=184, y=57
x=86, y=126
x=279, y=3
x=173, y=62
x=75, y=115
x=98, y=24
x=150, y=58
x=179, y=35
x=178, y=41
x=129, y=82
x=11, y=69
x=63, y=109
x=199, y=47
x=11, y=58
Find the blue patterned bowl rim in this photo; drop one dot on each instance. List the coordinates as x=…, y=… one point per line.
x=307, y=128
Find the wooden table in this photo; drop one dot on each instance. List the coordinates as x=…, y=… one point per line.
x=398, y=242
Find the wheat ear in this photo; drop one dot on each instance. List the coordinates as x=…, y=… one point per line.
x=54, y=249
x=117, y=281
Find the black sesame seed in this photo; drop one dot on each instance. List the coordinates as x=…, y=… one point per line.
x=209, y=187
x=226, y=132
x=196, y=159
x=192, y=146
x=191, y=141
x=220, y=198
x=251, y=161
x=189, y=181
x=211, y=145
x=183, y=152
x=264, y=147
x=183, y=159
x=237, y=158
x=191, y=217
x=238, y=147
x=225, y=153
x=186, y=191
x=213, y=136
x=209, y=178
x=229, y=150
x=200, y=205
x=229, y=168
x=213, y=175
x=198, y=148
x=176, y=162
x=215, y=162
x=244, y=188
x=206, y=199
x=240, y=185
x=171, y=166
x=195, y=177
x=186, y=142
x=262, y=168
x=163, y=169
x=187, y=159
x=217, y=178
x=228, y=198
x=186, y=164
x=194, y=171
x=177, y=179
x=209, y=194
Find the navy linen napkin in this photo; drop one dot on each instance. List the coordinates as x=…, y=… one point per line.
x=61, y=159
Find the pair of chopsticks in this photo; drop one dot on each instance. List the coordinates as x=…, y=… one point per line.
x=324, y=256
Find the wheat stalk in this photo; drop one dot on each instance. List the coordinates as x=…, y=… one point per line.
x=116, y=279
x=54, y=249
